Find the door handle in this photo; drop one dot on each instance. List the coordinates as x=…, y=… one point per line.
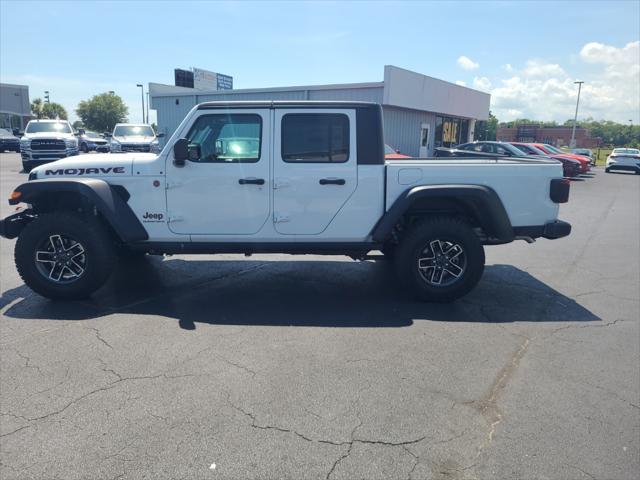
x=332, y=181
x=251, y=181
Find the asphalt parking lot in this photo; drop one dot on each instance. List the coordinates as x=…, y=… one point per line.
x=267, y=367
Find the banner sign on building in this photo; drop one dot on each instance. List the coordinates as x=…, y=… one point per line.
x=225, y=82
x=202, y=79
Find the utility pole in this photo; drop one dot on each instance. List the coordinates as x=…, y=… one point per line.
x=46, y=96
x=142, y=97
x=572, y=144
x=147, y=106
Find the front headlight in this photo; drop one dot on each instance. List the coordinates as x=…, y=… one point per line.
x=71, y=142
x=115, y=146
x=155, y=146
x=25, y=142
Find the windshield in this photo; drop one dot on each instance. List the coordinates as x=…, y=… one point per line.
x=534, y=150
x=630, y=151
x=513, y=149
x=92, y=135
x=5, y=133
x=553, y=149
x=133, y=130
x=52, y=127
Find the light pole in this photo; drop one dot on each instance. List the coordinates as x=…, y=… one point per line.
x=147, y=106
x=142, y=97
x=572, y=144
x=46, y=96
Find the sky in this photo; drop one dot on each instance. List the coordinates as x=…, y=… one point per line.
x=526, y=54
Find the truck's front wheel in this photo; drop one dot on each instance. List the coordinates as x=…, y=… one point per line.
x=440, y=260
x=64, y=255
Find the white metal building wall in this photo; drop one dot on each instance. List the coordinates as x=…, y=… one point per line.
x=171, y=110
x=402, y=129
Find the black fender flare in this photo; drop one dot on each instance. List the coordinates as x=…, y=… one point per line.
x=482, y=201
x=110, y=201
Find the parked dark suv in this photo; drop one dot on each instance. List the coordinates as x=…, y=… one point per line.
x=8, y=141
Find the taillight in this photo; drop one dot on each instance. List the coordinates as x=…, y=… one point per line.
x=559, y=190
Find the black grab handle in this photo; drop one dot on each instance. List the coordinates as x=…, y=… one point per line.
x=251, y=181
x=332, y=181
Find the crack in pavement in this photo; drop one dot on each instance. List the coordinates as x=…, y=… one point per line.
x=105, y=388
x=349, y=443
x=487, y=405
x=98, y=336
x=601, y=325
x=581, y=470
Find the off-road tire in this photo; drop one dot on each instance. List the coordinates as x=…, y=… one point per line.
x=606, y=170
x=25, y=168
x=87, y=231
x=419, y=239
x=84, y=148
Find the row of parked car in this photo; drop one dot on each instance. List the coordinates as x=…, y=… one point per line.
x=572, y=164
x=47, y=140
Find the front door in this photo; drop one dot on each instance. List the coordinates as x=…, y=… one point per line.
x=424, y=140
x=224, y=188
x=315, y=168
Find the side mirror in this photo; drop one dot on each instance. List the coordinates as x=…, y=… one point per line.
x=180, y=152
x=19, y=133
x=107, y=135
x=159, y=135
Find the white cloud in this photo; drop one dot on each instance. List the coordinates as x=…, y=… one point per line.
x=595, y=52
x=462, y=83
x=466, y=63
x=482, y=83
x=537, y=68
x=546, y=91
x=508, y=67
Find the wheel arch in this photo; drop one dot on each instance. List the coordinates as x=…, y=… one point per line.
x=110, y=201
x=479, y=205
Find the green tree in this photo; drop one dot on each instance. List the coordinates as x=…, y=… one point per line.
x=54, y=110
x=486, y=129
x=36, y=107
x=101, y=112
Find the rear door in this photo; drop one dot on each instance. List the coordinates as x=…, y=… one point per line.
x=315, y=167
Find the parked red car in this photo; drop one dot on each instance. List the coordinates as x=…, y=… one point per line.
x=585, y=163
x=570, y=167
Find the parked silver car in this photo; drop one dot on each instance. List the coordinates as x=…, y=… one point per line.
x=92, y=141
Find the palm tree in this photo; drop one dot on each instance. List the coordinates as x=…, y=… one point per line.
x=36, y=107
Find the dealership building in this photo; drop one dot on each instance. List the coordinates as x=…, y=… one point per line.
x=15, y=108
x=420, y=112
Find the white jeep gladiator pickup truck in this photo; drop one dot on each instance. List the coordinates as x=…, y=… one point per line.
x=280, y=177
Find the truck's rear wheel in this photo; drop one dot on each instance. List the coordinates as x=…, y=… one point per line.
x=440, y=260
x=64, y=255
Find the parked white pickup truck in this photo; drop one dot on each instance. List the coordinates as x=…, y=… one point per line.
x=280, y=177
x=45, y=141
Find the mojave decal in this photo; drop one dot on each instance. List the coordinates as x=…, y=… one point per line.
x=85, y=171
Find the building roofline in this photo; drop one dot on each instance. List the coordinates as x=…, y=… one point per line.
x=192, y=91
x=286, y=104
x=439, y=79
x=14, y=85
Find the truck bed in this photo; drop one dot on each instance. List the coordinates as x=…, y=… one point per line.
x=516, y=181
